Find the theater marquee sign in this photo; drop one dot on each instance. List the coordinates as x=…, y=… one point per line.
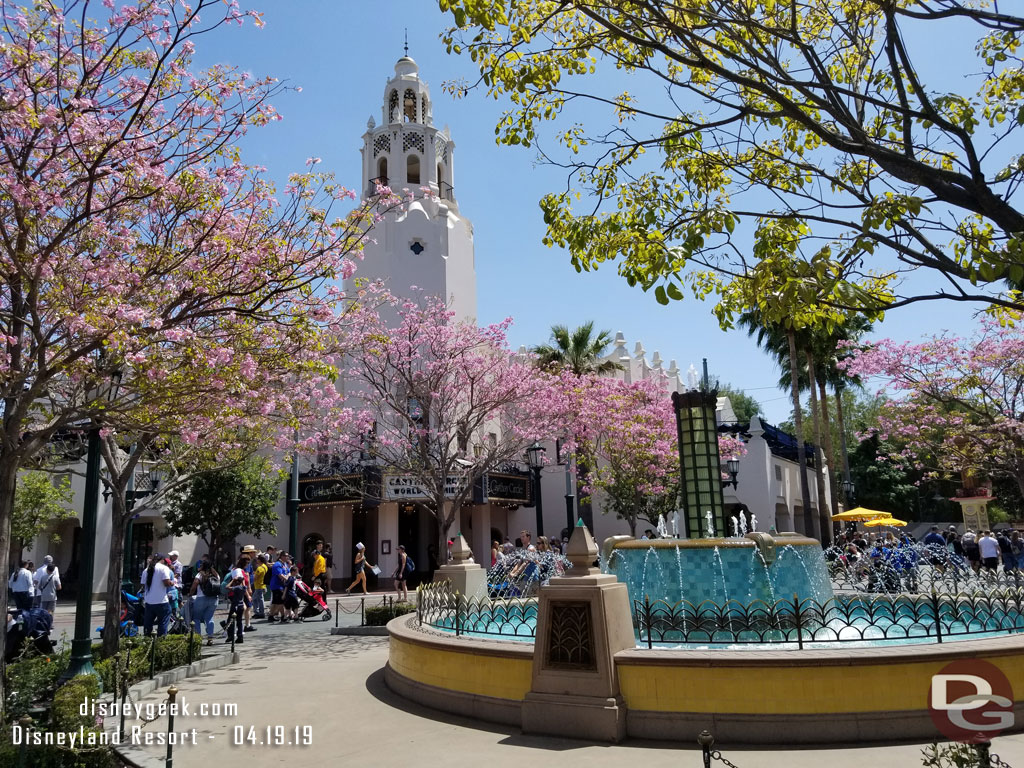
x=327, y=491
x=408, y=488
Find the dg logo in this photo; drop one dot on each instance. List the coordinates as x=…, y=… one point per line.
x=971, y=701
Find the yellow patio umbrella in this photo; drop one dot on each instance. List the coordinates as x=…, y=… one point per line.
x=879, y=521
x=860, y=513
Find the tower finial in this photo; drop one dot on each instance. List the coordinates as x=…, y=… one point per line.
x=406, y=41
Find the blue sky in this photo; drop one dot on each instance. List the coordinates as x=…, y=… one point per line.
x=342, y=53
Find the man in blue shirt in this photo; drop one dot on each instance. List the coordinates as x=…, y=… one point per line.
x=935, y=538
x=278, y=576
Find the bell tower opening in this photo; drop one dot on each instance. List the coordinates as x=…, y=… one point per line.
x=393, y=107
x=409, y=105
x=382, y=171
x=412, y=169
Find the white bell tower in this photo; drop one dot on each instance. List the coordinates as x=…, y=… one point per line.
x=428, y=244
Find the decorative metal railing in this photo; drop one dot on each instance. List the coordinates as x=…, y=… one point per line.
x=844, y=619
x=441, y=607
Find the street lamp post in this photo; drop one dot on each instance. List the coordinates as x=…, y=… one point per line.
x=570, y=498
x=535, y=460
x=81, y=646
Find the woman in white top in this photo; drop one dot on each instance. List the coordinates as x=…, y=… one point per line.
x=156, y=580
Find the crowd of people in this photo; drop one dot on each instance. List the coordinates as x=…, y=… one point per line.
x=890, y=562
x=33, y=587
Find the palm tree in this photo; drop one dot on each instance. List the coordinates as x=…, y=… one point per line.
x=781, y=342
x=579, y=350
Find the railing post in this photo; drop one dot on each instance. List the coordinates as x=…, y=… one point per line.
x=125, y=673
x=152, y=657
x=799, y=619
x=458, y=623
x=706, y=741
x=982, y=748
x=191, y=633
x=171, y=693
x=647, y=620
x=25, y=722
x=362, y=611
x=337, y=604
x=936, y=609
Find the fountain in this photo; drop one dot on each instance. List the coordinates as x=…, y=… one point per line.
x=748, y=567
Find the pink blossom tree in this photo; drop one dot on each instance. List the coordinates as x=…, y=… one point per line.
x=627, y=433
x=445, y=401
x=956, y=404
x=134, y=239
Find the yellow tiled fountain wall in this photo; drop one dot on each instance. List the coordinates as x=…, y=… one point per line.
x=821, y=686
x=465, y=668
x=817, y=688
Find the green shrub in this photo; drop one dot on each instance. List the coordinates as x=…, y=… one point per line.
x=31, y=680
x=65, y=715
x=379, y=615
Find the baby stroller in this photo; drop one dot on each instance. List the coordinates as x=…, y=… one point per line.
x=31, y=626
x=131, y=615
x=313, y=602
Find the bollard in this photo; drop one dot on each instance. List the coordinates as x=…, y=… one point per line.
x=706, y=741
x=232, y=626
x=191, y=637
x=25, y=721
x=362, y=611
x=124, y=684
x=152, y=657
x=982, y=748
x=337, y=604
x=171, y=693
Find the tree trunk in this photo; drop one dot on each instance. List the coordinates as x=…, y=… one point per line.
x=112, y=611
x=833, y=465
x=824, y=519
x=842, y=436
x=798, y=423
x=8, y=482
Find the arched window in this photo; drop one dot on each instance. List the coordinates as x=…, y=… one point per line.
x=393, y=107
x=382, y=171
x=409, y=105
x=423, y=109
x=412, y=169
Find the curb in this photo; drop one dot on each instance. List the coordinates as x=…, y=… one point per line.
x=135, y=757
x=361, y=631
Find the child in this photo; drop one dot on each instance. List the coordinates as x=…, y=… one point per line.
x=236, y=599
x=291, y=597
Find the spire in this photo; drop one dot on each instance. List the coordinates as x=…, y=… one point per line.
x=406, y=41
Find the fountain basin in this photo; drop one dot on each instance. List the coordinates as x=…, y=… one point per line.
x=863, y=695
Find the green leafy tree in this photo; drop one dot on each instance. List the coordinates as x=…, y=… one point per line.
x=791, y=146
x=743, y=405
x=221, y=504
x=40, y=500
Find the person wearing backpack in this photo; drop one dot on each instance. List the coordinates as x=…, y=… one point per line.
x=401, y=574
x=205, y=591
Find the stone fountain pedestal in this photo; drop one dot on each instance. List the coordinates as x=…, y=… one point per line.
x=467, y=577
x=583, y=620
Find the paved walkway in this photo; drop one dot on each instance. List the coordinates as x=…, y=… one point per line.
x=335, y=685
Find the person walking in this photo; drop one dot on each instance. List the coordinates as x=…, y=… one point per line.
x=156, y=583
x=359, y=568
x=47, y=588
x=205, y=591
x=38, y=577
x=988, y=548
x=236, y=607
x=319, y=565
x=21, y=586
x=278, y=575
x=402, y=573
x=291, y=596
x=259, y=585
x=329, y=565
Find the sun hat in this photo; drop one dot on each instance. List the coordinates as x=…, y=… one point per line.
x=360, y=545
x=248, y=548
x=173, y=553
x=48, y=559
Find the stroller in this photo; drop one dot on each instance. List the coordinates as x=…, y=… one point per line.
x=131, y=615
x=313, y=602
x=31, y=626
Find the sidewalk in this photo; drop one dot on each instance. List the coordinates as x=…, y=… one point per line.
x=335, y=686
